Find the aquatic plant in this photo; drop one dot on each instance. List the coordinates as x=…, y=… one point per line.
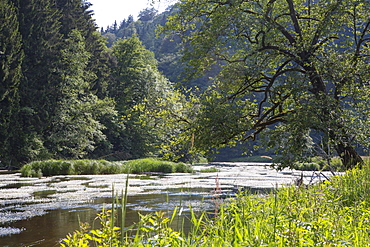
x=334, y=213
x=210, y=169
x=91, y=167
x=156, y=166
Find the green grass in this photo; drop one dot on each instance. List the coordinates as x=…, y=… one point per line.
x=210, y=169
x=91, y=167
x=156, y=166
x=334, y=213
x=320, y=164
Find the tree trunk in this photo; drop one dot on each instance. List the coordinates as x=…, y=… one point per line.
x=349, y=156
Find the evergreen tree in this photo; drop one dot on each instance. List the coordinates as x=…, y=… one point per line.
x=11, y=56
x=76, y=15
x=147, y=14
x=53, y=92
x=39, y=26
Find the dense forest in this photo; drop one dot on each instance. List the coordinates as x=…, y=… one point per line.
x=182, y=82
x=289, y=76
x=65, y=94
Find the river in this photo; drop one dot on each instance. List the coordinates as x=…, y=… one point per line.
x=41, y=211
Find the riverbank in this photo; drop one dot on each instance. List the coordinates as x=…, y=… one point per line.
x=333, y=213
x=32, y=205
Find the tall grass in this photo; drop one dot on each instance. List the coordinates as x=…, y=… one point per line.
x=334, y=213
x=91, y=167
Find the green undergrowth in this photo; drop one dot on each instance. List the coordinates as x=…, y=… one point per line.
x=91, y=167
x=331, y=213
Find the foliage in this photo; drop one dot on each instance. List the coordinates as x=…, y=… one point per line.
x=294, y=71
x=75, y=126
x=154, y=165
x=167, y=50
x=11, y=57
x=91, y=167
x=334, y=213
x=148, y=105
x=57, y=99
x=320, y=164
x=136, y=78
x=65, y=95
x=40, y=43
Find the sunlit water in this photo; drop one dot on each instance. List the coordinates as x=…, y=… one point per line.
x=39, y=212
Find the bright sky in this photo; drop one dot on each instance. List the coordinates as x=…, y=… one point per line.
x=107, y=11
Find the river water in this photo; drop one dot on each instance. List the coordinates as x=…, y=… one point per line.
x=41, y=211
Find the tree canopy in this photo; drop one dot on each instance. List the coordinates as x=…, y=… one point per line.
x=65, y=94
x=296, y=71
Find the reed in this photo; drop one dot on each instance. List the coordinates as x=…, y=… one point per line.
x=92, y=167
x=332, y=213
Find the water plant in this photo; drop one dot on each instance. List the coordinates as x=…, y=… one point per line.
x=210, y=169
x=331, y=213
x=91, y=167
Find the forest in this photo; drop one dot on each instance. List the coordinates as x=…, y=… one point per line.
x=66, y=95
x=185, y=82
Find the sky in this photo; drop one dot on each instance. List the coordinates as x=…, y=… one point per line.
x=108, y=11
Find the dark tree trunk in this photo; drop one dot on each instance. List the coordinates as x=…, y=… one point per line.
x=349, y=156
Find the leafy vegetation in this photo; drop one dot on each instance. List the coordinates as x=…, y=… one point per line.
x=90, y=167
x=333, y=213
x=66, y=95
x=295, y=72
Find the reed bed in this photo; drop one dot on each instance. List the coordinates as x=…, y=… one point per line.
x=92, y=167
x=331, y=213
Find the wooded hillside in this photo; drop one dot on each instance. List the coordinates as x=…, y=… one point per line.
x=65, y=94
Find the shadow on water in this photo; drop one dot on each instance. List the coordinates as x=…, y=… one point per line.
x=54, y=218
x=47, y=230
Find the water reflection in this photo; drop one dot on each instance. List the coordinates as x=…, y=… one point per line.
x=49, y=208
x=48, y=229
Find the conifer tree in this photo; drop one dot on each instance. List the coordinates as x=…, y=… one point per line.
x=11, y=56
x=39, y=26
x=76, y=15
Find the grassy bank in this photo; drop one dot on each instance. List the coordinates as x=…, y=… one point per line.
x=91, y=167
x=334, y=213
